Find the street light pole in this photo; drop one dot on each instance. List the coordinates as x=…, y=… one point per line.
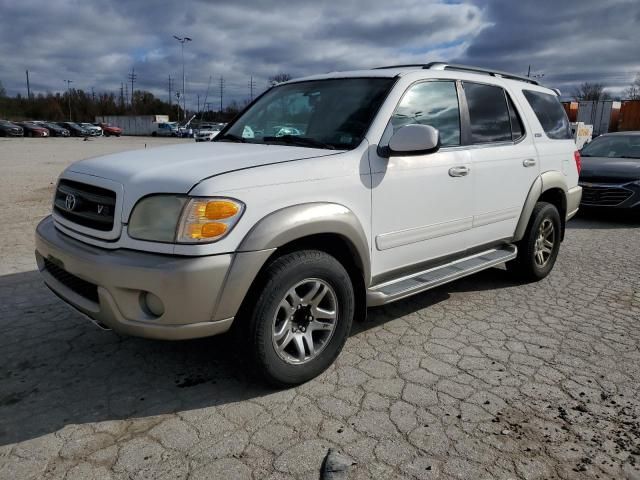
x=182, y=41
x=69, y=82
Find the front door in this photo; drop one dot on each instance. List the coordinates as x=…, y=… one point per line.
x=422, y=206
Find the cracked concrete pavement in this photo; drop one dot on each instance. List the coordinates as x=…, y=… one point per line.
x=482, y=378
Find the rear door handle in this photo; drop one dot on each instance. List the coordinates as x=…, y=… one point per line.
x=529, y=162
x=461, y=171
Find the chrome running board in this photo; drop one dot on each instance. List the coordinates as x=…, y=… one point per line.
x=419, y=282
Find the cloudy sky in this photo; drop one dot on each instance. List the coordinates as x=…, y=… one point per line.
x=96, y=43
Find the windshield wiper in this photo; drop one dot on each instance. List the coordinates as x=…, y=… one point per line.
x=299, y=141
x=231, y=137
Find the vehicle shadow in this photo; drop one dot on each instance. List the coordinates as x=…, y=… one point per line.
x=57, y=368
x=592, y=218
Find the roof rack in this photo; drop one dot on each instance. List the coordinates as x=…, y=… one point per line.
x=463, y=68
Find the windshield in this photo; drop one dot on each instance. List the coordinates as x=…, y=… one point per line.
x=614, y=146
x=333, y=114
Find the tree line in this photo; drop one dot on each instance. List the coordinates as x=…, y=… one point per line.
x=597, y=91
x=80, y=106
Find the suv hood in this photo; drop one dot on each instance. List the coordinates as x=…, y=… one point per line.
x=177, y=168
x=615, y=170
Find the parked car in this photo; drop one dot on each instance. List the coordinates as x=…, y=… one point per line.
x=54, y=130
x=32, y=129
x=94, y=130
x=206, y=133
x=8, y=129
x=109, y=130
x=610, y=175
x=406, y=178
x=75, y=130
x=165, y=129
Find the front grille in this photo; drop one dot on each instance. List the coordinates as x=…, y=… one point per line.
x=604, y=196
x=86, y=205
x=83, y=288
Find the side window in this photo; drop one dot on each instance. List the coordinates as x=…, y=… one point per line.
x=432, y=103
x=549, y=111
x=517, y=129
x=488, y=113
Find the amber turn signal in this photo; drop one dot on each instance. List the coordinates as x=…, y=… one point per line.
x=207, y=230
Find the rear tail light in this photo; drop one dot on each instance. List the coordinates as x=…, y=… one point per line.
x=576, y=157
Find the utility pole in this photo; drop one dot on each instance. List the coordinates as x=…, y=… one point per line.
x=170, y=98
x=69, y=82
x=132, y=78
x=121, y=95
x=529, y=71
x=28, y=87
x=221, y=91
x=198, y=103
x=126, y=93
x=252, y=85
x=93, y=94
x=182, y=41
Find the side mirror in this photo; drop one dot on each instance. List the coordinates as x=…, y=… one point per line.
x=414, y=139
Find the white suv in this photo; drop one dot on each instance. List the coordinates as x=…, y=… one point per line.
x=391, y=181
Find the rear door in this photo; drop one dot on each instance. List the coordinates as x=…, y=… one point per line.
x=504, y=161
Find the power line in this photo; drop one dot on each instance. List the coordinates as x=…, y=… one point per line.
x=221, y=91
x=252, y=85
x=69, y=82
x=132, y=78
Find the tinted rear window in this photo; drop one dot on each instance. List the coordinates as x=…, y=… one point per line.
x=488, y=113
x=550, y=113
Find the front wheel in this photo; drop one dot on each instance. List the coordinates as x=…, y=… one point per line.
x=538, y=250
x=302, y=317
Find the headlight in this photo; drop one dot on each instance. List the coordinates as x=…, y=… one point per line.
x=208, y=219
x=156, y=218
x=172, y=218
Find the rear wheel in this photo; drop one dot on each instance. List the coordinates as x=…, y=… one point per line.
x=538, y=250
x=154, y=134
x=301, y=318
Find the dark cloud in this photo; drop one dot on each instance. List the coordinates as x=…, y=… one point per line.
x=96, y=43
x=567, y=41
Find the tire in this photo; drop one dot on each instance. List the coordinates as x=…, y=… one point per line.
x=154, y=134
x=280, y=326
x=538, y=249
x=107, y=134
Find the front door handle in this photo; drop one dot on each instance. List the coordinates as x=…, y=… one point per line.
x=529, y=162
x=461, y=171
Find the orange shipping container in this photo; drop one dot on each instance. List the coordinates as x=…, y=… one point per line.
x=629, y=116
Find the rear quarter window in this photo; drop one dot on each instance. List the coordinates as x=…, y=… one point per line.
x=550, y=113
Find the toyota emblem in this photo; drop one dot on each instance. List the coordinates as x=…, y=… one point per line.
x=70, y=202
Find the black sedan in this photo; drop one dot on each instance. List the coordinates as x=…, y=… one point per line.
x=8, y=129
x=610, y=175
x=54, y=130
x=74, y=129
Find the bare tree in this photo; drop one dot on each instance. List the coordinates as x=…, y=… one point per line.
x=3, y=92
x=279, y=78
x=633, y=92
x=590, y=91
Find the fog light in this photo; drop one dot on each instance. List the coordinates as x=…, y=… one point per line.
x=153, y=304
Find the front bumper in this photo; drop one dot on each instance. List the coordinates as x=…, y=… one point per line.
x=190, y=288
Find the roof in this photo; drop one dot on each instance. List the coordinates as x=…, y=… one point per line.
x=396, y=70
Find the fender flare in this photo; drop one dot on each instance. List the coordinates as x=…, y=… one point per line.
x=281, y=227
x=299, y=221
x=542, y=183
